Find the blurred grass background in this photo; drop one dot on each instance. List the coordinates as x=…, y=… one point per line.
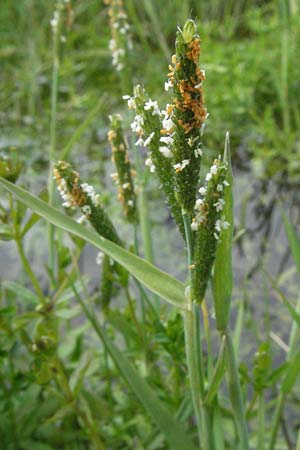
x=250, y=51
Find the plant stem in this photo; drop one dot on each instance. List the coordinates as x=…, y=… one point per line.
x=193, y=351
x=134, y=318
x=208, y=339
x=298, y=441
x=52, y=149
x=28, y=269
x=261, y=422
x=25, y=262
x=144, y=221
x=63, y=382
x=236, y=393
x=293, y=344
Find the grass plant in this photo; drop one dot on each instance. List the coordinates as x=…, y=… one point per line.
x=144, y=358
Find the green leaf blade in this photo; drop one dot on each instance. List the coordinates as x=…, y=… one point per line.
x=154, y=279
x=222, y=278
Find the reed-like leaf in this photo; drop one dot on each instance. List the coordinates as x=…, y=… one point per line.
x=222, y=278
x=292, y=239
x=172, y=430
x=217, y=375
x=154, y=279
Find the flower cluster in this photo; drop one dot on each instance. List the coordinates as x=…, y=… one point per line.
x=124, y=175
x=184, y=118
x=120, y=43
x=216, y=173
x=207, y=225
x=147, y=124
x=75, y=194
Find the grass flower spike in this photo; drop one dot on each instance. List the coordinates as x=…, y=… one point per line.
x=208, y=223
x=120, y=43
x=124, y=175
x=75, y=194
x=147, y=125
x=184, y=118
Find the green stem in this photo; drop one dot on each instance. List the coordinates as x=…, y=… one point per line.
x=52, y=149
x=293, y=345
x=134, y=318
x=236, y=393
x=298, y=441
x=89, y=427
x=193, y=351
x=261, y=422
x=143, y=210
x=28, y=269
x=25, y=262
x=136, y=250
x=276, y=420
x=208, y=339
x=144, y=221
x=217, y=427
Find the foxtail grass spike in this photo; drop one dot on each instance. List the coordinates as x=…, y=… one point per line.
x=147, y=124
x=184, y=118
x=120, y=43
x=124, y=175
x=208, y=223
x=77, y=194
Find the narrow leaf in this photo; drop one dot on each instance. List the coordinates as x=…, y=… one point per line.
x=292, y=238
x=285, y=301
x=292, y=373
x=21, y=291
x=172, y=430
x=81, y=129
x=154, y=279
x=222, y=278
x=217, y=375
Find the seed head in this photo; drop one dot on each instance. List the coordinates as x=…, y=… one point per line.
x=124, y=176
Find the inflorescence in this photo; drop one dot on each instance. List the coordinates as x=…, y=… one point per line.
x=124, y=175
x=121, y=43
x=173, y=139
x=77, y=194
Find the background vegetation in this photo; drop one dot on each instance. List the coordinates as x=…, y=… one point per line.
x=59, y=387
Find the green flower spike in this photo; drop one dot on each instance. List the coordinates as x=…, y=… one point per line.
x=147, y=124
x=82, y=195
x=124, y=174
x=184, y=118
x=208, y=222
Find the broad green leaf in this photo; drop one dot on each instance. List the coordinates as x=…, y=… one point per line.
x=154, y=279
x=292, y=238
x=21, y=291
x=217, y=375
x=172, y=430
x=222, y=277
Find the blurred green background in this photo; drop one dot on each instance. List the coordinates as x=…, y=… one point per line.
x=250, y=51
